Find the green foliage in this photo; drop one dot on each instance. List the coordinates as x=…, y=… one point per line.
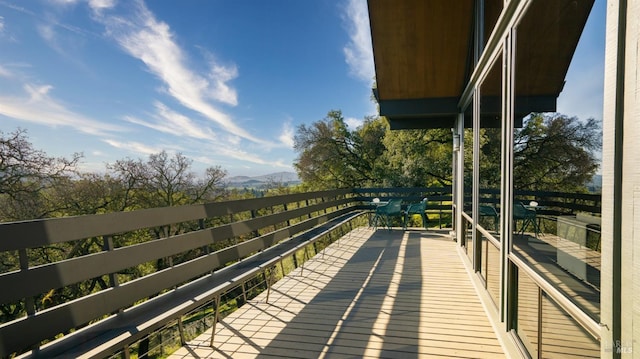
x=332, y=156
x=418, y=158
x=556, y=153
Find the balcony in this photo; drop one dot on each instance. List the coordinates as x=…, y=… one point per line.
x=347, y=287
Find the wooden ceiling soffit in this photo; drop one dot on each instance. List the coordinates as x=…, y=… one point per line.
x=421, y=48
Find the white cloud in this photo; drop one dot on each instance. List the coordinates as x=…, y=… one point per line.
x=1, y=24
x=169, y=121
x=38, y=107
x=286, y=136
x=136, y=147
x=236, y=153
x=358, y=52
x=4, y=72
x=353, y=122
x=151, y=41
x=98, y=5
x=47, y=33
x=220, y=91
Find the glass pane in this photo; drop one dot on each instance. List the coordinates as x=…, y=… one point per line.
x=490, y=149
x=557, y=145
x=527, y=313
x=492, y=9
x=468, y=238
x=483, y=256
x=493, y=272
x=563, y=337
x=467, y=137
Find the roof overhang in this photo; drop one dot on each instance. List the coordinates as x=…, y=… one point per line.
x=423, y=53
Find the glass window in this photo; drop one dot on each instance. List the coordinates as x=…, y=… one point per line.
x=562, y=336
x=527, y=313
x=557, y=145
x=490, y=149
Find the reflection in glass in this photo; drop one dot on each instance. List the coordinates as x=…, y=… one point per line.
x=468, y=238
x=490, y=148
x=493, y=272
x=467, y=137
x=557, y=139
x=527, y=313
x=562, y=336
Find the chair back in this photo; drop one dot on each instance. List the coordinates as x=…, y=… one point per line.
x=394, y=207
x=521, y=212
x=417, y=208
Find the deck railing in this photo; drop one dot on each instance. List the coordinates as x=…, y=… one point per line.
x=70, y=282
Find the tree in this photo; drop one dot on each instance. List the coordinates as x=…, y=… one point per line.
x=418, y=158
x=27, y=177
x=554, y=152
x=332, y=156
x=165, y=181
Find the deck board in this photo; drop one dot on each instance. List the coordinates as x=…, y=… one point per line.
x=393, y=294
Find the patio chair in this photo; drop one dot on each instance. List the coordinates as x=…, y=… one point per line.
x=385, y=213
x=489, y=211
x=527, y=216
x=416, y=208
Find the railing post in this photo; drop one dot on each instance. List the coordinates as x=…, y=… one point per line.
x=286, y=209
x=269, y=280
x=108, y=246
x=303, y=260
x=215, y=319
x=282, y=267
x=244, y=292
x=254, y=215
x=29, y=303
x=125, y=352
x=183, y=341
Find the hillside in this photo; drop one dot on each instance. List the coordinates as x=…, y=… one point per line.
x=284, y=178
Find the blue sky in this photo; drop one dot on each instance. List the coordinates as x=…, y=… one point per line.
x=223, y=82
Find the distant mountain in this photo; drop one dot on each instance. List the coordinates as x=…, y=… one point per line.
x=284, y=178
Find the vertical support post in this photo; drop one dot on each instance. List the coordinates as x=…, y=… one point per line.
x=125, y=352
x=244, y=292
x=108, y=246
x=282, y=267
x=253, y=216
x=183, y=341
x=29, y=304
x=304, y=256
x=167, y=234
x=215, y=319
x=269, y=280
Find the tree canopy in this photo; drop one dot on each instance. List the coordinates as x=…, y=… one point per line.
x=552, y=152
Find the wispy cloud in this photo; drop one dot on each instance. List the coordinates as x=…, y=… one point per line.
x=171, y=122
x=4, y=72
x=144, y=37
x=245, y=156
x=358, y=52
x=286, y=136
x=99, y=5
x=38, y=106
x=136, y=147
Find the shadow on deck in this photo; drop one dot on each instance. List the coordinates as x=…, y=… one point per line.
x=373, y=293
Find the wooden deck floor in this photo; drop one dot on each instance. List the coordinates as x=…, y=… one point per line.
x=394, y=294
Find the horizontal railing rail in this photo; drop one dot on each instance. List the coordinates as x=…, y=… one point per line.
x=142, y=269
x=259, y=224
